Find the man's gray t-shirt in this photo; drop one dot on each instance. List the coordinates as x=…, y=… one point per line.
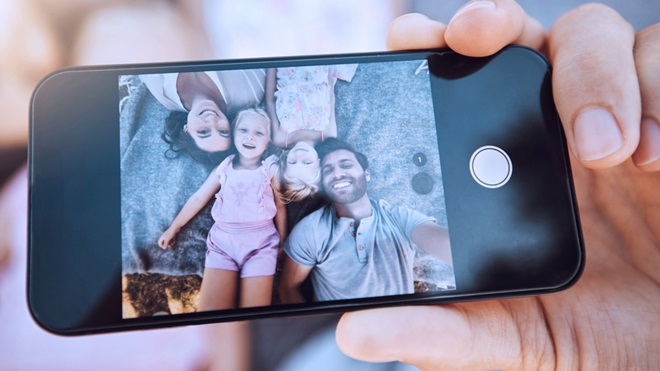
x=376, y=259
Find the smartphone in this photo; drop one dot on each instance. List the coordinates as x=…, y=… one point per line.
x=189, y=193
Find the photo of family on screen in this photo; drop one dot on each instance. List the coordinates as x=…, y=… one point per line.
x=257, y=187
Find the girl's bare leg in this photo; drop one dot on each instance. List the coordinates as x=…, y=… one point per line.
x=256, y=291
x=218, y=291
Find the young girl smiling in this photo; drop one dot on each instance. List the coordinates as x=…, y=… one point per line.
x=250, y=220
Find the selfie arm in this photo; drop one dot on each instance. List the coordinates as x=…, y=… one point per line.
x=330, y=130
x=280, y=218
x=434, y=239
x=306, y=136
x=195, y=203
x=293, y=275
x=278, y=136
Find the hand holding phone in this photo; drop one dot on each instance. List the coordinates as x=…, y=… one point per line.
x=524, y=329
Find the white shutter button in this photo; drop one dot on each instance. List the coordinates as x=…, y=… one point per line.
x=491, y=167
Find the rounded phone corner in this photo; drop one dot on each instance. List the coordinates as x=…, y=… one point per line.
x=47, y=80
x=578, y=235
x=574, y=276
x=44, y=323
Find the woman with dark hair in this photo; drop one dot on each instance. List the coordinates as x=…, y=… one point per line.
x=202, y=104
x=180, y=140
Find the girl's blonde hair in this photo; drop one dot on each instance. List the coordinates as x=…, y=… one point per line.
x=294, y=189
x=258, y=111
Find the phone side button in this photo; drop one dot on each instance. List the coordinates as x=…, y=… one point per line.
x=491, y=167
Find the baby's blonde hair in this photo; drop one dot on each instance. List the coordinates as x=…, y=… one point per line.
x=294, y=189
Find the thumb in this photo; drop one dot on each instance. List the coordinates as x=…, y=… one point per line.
x=472, y=336
x=415, y=31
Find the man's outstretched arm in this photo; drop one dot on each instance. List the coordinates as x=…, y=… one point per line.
x=434, y=239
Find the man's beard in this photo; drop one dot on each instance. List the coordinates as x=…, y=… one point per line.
x=355, y=191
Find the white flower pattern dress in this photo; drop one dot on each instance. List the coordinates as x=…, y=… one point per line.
x=304, y=96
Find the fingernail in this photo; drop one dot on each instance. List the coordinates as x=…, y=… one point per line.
x=597, y=134
x=485, y=4
x=648, y=150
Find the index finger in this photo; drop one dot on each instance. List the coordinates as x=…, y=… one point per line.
x=595, y=84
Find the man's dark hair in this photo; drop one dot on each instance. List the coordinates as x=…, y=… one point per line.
x=333, y=144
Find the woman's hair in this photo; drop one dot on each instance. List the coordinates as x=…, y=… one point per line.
x=294, y=189
x=181, y=142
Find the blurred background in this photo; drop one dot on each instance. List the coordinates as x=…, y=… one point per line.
x=40, y=36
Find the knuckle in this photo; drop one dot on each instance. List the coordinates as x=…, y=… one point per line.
x=596, y=9
x=647, y=54
x=647, y=42
x=598, y=13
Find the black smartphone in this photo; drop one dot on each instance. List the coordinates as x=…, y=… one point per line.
x=188, y=193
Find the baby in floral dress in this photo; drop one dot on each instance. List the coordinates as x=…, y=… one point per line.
x=301, y=104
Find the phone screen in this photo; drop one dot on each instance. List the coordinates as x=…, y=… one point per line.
x=354, y=213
